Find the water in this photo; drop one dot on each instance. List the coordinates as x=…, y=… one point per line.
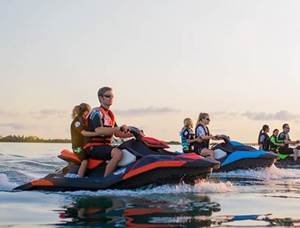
x=240, y=198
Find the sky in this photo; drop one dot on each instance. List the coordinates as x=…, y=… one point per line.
x=165, y=60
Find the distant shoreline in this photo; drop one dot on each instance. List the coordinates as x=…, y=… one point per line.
x=36, y=139
x=30, y=139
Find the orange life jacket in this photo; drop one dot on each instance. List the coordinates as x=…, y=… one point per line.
x=108, y=120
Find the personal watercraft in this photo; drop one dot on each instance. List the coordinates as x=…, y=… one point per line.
x=287, y=160
x=234, y=155
x=145, y=162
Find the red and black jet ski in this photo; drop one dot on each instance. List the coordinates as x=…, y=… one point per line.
x=145, y=162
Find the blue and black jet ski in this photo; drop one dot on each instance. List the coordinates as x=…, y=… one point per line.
x=234, y=155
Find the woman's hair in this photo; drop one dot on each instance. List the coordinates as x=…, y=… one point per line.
x=264, y=128
x=275, y=130
x=202, y=116
x=187, y=122
x=78, y=110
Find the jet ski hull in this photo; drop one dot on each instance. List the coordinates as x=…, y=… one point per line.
x=252, y=163
x=149, y=170
x=239, y=156
x=288, y=163
x=155, y=177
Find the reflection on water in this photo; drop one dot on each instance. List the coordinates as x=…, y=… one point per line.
x=193, y=211
x=99, y=210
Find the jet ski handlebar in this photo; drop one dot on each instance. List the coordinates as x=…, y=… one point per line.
x=226, y=138
x=137, y=133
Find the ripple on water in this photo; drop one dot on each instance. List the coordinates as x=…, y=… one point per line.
x=5, y=183
x=271, y=173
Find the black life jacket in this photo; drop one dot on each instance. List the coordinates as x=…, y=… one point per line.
x=107, y=120
x=187, y=134
x=266, y=142
x=205, y=143
x=283, y=136
x=77, y=125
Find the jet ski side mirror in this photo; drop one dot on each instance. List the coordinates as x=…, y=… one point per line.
x=137, y=133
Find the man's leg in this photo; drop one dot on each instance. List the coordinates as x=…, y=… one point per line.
x=295, y=150
x=82, y=168
x=116, y=156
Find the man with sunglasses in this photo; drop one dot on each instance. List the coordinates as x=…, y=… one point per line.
x=285, y=138
x=102, y=121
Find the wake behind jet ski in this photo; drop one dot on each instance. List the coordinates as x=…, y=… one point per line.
x=234, y=155
x=145, y=161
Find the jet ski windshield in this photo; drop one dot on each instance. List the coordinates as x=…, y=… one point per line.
x=231, y=146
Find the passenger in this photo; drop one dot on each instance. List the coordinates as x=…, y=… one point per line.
x=263, y=138
x=102, y=121
x=204, y=137
x=78, y=132
x=187, y=136
x=284, y=136
x=274, y=142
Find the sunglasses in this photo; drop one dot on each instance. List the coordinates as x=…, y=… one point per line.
x=207, y=119
x=108, y=96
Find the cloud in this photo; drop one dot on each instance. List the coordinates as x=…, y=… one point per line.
x=46, y=113
x=5, y=113
x=281, y=115
x=13, y=126
x=146, y=111
x=225, y=114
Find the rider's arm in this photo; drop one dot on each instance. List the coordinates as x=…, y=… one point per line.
x=261, y=140
x=276, y=142
x=288, y=141
x=200, y=134
x=107, y=131
x=88, y=133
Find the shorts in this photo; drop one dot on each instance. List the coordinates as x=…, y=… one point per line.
x=81, y=153
x=198, y=149
x=286, y=150
x=100, y=152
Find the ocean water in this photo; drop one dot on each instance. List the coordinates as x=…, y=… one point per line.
x=265, y=197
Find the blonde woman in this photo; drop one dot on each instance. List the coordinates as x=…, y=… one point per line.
x=204, y=137
x=187, y=136
x=78, y=133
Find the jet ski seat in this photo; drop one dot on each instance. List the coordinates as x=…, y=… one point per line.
x=220, y=154
x=69, y=156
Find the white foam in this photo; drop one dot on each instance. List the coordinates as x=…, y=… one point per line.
x=200, y=187
x=271, y=173
x=5, y=184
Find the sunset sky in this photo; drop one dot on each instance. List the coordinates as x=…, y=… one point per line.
x=165, y=59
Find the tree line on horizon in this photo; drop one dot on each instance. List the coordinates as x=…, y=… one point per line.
x=33, y=139
x=36, y=139
x=22, y=138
